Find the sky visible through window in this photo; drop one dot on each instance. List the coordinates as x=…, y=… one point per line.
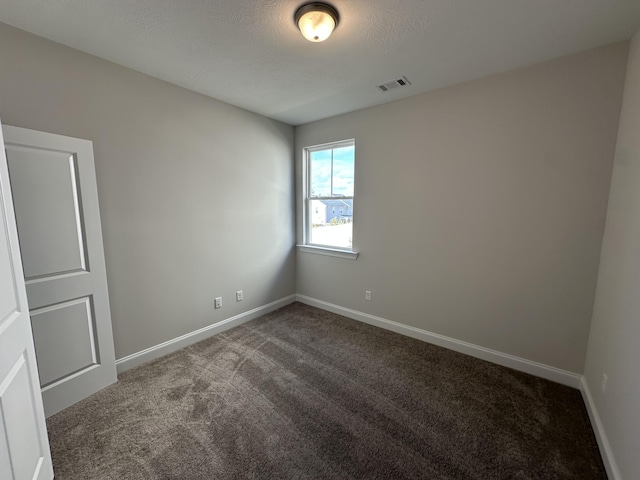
x=342, y=172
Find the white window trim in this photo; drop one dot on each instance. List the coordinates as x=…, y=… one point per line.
x=328, y=250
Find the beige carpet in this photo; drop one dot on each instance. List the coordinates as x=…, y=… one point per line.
x=303, y=394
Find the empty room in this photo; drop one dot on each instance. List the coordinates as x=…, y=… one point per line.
x=353, y=239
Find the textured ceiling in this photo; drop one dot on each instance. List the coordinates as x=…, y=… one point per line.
x=249, y=52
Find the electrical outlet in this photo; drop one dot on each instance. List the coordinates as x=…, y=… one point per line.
x=239, y=296
x=218, y=302
x=605, y=379
x=367, y=295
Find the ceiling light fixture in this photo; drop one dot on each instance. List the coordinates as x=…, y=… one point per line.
x=316, y=20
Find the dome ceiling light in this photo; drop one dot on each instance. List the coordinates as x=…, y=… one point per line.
x=316, y=20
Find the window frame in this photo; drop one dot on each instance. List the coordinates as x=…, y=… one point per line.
x=307, y=246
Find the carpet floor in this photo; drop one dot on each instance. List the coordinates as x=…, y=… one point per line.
x=302, y=393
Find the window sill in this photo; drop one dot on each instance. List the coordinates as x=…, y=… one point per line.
x=331, y=252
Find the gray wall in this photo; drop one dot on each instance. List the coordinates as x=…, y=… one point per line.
x=614, y=344
x=479, y=209
x=189, y=187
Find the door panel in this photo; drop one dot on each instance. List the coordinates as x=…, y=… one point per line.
x=65, y=340
x=8, y=288
x=49, y=226
x=24, y=446
x=19, y=419
x=58, y=218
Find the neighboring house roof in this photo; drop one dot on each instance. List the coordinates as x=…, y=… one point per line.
x=338, y=203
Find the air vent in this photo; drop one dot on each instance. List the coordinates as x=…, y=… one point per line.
x=400, y=82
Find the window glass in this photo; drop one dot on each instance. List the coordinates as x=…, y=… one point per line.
x=329, y=195
x=320, y=169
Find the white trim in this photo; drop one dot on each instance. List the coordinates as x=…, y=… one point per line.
x=306, y=190
x=331, y=252
x=157, y=351
x=347, y=142
x=606, y=451
x=517, y=363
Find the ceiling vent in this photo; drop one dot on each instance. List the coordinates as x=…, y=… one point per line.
x=400, y=82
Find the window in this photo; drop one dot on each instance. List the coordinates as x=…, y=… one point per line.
x=329, y=195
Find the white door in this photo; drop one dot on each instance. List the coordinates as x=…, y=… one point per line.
x=56, y=205
x=24, y=447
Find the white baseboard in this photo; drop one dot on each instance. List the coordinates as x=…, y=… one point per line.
x=157, y=351
x=603, y=442
x=523, y=365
